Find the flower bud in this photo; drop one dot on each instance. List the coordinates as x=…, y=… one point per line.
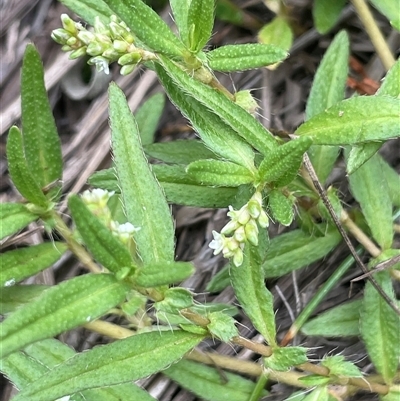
x=251, y=231
x=72, y=41
x=238, y=258
x=240, y=234
x=263, y=219
x=120, y=46
x=68, y=24
x=78, y=53
x=130, y=58
x=96, y=48
x=243, y=215
x=254, y=208
x=127, y=69
x=60, y=36
x=86, y=37
x=230, y=227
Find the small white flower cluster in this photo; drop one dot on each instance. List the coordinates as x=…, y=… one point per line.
x=105, y=44
x=243, y=227
x=96, y=201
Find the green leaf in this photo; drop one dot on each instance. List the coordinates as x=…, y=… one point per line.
x=285, y=358
x=222, y=326
x=233, y=115
x=105, y=247
x=244, y=57
x=355, y=120
x=178, y=186
x=200, y=22
x=88, y=10
x=326, y=14
x=20, y=172
x=37, y=359
x=320, y=393
x=61, y=308
x=148, y=116
x=180, y=10
x=15, y=296
x=227, y=11
x=371, y=191
x=391, y=83
x=278, y=33
x=206, y=382
x=282, y=164
x=328, y=89
x=361, y=153
x=253, y=296
x=14, y=217
x=219, y=173
x=392, y=395
x=146, y=24
x=181, y=151
x=339, y=367
x=390, y=10
x=211, y=128
x=293, y=250
x=145, y=203
x=380, y=328
x=340, y=321
x=281, y=207
x=221, y=280
x=122, y=361
x=41, y=142
x=21, y=263
x=174, y=300
x=392, y=179
x=163, y=273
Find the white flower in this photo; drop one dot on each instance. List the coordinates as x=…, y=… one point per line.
x=218, y=243
x=101, y=64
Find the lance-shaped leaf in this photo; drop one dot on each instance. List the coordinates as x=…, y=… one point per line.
x=340, y=321
x=390, y=10
x=41, y=142
x=211, y=128
x=281, y=207
x=278, y=33
x=179, y=188
x=147, y=26
x=370, y=189
x=380, y=328
x=25, y=262
x=244, y=57
x=163, y=273
x=60, y=308
x=14, y=217
x=122, y=361
x=361, y=153
x=23, y=368
x=328, y=89
x=207, y=383
x=293, y=250
x=253, y=296
x=233, y=115
x=88, y=10
x=144, y=200
x=219, y=173
x=355, y=120
x=13, y=297
x=180, y=10
x=105, y=247
x=326, y=13
x=147, y=117
x=282, y=164
x=391, y=83
x=200, y=22
x=393, y=181
x=20, y=171
x=181, y=151
x=339, y=367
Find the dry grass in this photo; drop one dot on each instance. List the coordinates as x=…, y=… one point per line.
x=85, y=136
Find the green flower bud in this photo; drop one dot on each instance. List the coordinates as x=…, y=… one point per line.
x=68, y=24
x=78, y=53
x=60, y=36
x=127, y=69
x=230, y=227
x=111, y=54
x=120, y=46
x=238, y=258
x=130, y=58
x=240, y=234
x=86, y=37
x=263, y=219
x=99, y=27
x=96, y=48
x=243, y=215
x=254, y=208
x=246, y=101
x=251, y=231
x=72, y=41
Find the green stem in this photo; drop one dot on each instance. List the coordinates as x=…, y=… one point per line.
x=259, y=387
x=374, y=33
